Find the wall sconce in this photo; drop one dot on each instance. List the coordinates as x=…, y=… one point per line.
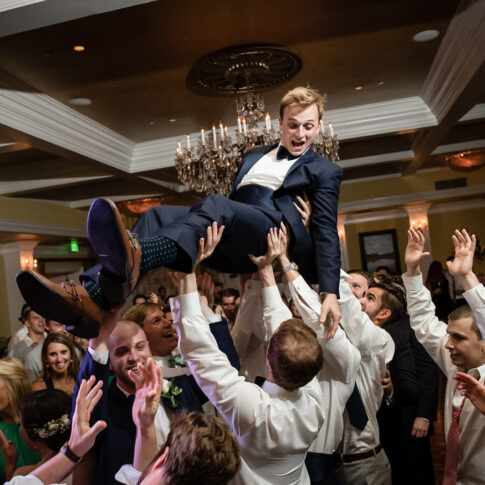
x=27, y=261
x=420, y=223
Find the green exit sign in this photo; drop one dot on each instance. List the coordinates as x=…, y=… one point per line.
x=74, y=247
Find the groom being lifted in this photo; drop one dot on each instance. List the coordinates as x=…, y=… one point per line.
x=264, y=194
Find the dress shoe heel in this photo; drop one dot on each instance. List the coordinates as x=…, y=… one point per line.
x=114, y=291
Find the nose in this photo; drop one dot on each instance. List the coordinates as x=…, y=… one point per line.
x=300, y=132
x=449, y=344
x=362, y=303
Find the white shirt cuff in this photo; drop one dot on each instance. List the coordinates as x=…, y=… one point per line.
x=475, y=296
x=215, y=318
x=187, y=305
x=413, y=283
x=271, y=295
x=99, y=357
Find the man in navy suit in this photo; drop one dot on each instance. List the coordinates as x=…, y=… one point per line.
x=264, y=195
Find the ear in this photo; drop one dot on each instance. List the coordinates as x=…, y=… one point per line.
x=280, y=119
x=161, y=459
x=383, y=315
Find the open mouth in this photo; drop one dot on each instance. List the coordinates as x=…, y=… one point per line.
x=60, y=365
x=170, y=335
x=297, y=144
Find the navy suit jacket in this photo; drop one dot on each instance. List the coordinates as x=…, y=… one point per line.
x=115, y=445
x=318, y=253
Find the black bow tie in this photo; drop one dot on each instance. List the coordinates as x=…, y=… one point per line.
x=284, y=153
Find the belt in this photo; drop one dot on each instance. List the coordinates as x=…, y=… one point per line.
x=361, y=456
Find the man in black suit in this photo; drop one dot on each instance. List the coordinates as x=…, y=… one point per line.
x=263, y=195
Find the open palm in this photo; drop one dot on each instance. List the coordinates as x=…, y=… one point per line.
x=464, y=251
x=415, y=248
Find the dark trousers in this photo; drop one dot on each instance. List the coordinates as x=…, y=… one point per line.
x=322, y=468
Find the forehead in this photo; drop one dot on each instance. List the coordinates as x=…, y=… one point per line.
x=228, y=299
x=462, y=326
x=56, y=347
x=300, y=113
x=153, y=314
x=126, y=335
x=377, y=292
x=358, y=279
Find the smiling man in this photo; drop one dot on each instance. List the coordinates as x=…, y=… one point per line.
x=457, y=346
x=264, y=194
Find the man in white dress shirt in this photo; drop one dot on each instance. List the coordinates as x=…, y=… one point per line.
x=364, y=460
x=276, y=424
x=457, y=346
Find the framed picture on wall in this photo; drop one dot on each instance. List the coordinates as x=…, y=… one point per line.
x=379, y=248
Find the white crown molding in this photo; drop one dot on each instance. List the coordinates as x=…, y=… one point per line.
x=37, y=184
x=375, y=159
x=457, y=147
x=9, y=225
x=39, y=115
x=9, y=248
x=116, y=198
x=476, y=113
x=459, y=56
x=456, y=206
x=11, y=4
x=169, y=185
x=399, y=200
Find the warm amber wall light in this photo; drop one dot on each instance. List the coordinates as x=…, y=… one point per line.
x=79, y=48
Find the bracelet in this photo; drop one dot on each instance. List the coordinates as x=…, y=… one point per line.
x=66, y=451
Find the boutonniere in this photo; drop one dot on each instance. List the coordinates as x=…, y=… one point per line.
x=175, y=359
x=171, y=391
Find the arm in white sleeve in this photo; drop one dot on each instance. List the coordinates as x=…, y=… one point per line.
x=359, y=328
x=340, y=355
x=235, y=399
x=429, y=330
x=275, y=312
x=476, y=299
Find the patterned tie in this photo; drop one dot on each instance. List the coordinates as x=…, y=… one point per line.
x=453, y=447
x=356, y=410
x=283, y=153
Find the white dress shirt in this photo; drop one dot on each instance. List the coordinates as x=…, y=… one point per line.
x=340, y=366
x=268, y=171
x=432, y=334
x=162, y=422
x=476, y=299
x=376, y=349
x=274, y=427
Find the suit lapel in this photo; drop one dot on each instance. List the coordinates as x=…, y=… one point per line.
x=306, y=157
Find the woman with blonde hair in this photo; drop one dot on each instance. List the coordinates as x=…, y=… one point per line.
x=60, y=364
x=14, y=385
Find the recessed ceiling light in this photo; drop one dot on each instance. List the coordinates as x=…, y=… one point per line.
x=79, y=48
x=151, y=122
x=172, y=120
x=380, y=83
x=426, y=35
x=359, y=88
x=80, y=102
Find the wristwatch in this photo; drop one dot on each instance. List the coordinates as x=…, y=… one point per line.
x=292, y=266
x=65, y=450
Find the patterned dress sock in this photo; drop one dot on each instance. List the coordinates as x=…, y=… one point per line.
x=96, y=294
x=156, y=252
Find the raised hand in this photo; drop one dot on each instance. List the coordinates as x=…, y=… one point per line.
x=464, y=245
x=207, y=246
x=304, y=209
x=206, y=286
x=330, y=315
x=284, y=243
x=472, y=389
x=148, y=384
x=274, y=250
x=83, y=436
x=414, y=251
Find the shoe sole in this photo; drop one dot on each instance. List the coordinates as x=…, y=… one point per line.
x=102, y=219
x=52, y=306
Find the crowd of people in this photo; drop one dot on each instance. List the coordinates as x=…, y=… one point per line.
x=306, y=374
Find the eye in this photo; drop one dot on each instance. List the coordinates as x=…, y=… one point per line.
x=140, y=346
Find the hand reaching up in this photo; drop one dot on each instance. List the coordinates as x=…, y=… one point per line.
x=207, y=246
x=83, y=436
x=414, y=251
x=206, y=287
x=462, y=265
x=148, y=385
x=472, y=389
x=273, y=251
x=304, y=209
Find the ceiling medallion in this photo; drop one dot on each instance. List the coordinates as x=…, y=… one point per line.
x=243, y=69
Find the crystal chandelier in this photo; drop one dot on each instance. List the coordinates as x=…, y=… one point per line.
x=211, y=165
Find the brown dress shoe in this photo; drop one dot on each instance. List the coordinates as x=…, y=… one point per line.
x=68, y=303
x=118, y=251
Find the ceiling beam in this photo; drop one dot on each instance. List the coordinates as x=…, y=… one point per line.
x=455, y=81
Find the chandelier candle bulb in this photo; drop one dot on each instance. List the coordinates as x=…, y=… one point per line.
x=179, y=147
x=239, y=124
x=225, y=131
x=214, y=135
x=330, y=127
x=202, y=135
x=321, y=127
x=188, y=142
x=245, y=128
x=221, y=128
x=268, y=121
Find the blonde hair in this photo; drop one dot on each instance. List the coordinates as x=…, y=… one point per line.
x=303, y=97
x=14, y=376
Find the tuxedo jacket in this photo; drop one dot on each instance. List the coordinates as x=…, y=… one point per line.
x=317, y=254
x=115, y=445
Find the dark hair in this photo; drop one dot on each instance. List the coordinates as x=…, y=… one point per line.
x=202, y=449
x=294, y=354
x=139, y=312
x=393, y=298
x=39, y=409
x=60, y=338
x=436, y=278
x=465, y=311
x=361, y=272
x=25, y=312
x=383, y=267
x=230, y=292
